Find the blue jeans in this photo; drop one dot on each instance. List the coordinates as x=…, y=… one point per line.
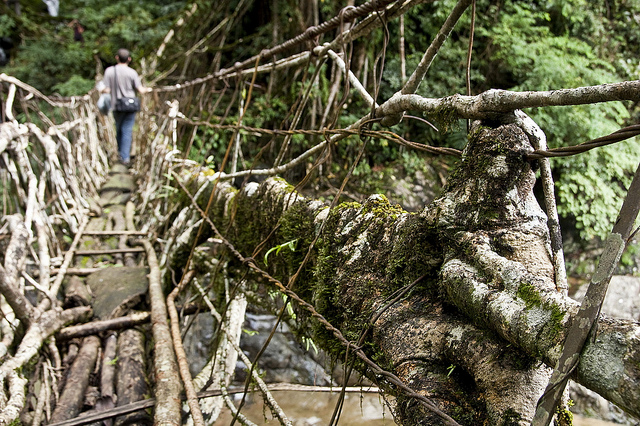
x=124, y=133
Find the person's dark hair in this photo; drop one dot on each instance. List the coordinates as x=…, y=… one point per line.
x=123, y=55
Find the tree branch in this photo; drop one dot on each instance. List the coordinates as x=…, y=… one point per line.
x=167, y=392
x=495, y=103
x=15, y=257
x=587, y=316
x=498, y=269
x=192, y=398
x=416, y=78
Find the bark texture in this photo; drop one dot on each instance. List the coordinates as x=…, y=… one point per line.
x=131, y=384
x=72, y=397
x=472, y=333
x=167, y=391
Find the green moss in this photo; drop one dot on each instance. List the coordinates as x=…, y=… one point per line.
x=532, y=299
x=463, y=416
x=557, y=315
x=529, y=294
x=297, y=224
x=564, y=416
x=112, y=242
x=445, y=116
x=288, y=188
x=415, y=253
x=392, y=256
x=510, y=418
x=348, y=205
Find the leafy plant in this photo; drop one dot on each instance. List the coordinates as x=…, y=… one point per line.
x=291, y=245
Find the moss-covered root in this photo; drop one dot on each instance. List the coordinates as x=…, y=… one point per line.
x=498, y=271
x=476, y=377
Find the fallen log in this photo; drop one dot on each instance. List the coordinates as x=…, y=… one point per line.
x=108, y=251
x=77, y=293
x=108, y=370
x=72, y=397
x=96, y=327
x=113, y=324
x=131, y=383
x=167, y=389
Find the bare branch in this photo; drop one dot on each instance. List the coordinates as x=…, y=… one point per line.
x=183, y=364
x=12, y=80
x=15, y=256
x=565, y=151
x=539, y=141
x=494, y=103
x=231, y=336
x=15, y=404
x=48, y=323
x=416, y=78
x=589, y=311
x=366, y=26
x=68, y=258
x=352, y=78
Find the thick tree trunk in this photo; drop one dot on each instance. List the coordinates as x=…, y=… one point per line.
x=472, y=333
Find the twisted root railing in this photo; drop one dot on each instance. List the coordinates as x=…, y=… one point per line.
x=192, y=106
x=53, y=156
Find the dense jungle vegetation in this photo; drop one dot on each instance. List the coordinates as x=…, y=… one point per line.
x=533, y=45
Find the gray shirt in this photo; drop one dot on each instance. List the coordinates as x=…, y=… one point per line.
x=128, y=81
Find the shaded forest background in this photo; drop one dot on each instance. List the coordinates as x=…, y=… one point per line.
x=535, y=45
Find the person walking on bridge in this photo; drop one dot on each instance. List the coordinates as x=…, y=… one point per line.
x=122, y=82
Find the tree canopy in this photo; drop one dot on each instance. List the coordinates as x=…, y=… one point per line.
x=538, y=45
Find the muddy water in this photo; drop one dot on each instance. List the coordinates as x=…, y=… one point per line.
x=584, y=421
x=315, y=409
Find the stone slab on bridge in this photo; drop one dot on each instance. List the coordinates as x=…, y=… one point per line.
x=118, y=188
x=117, y=289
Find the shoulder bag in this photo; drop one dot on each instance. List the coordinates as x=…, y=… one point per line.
x=124, y=104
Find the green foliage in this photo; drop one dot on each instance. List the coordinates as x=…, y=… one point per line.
x=590, y=186
x=291, y=245
x=7, y=25
x=208, y=144
x=75, y=86
x=49, y=59
x=139, y=26
x=44, y=64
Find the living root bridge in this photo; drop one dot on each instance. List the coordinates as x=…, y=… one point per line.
x=485, y=317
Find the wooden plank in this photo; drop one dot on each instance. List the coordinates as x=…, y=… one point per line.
x=110, y=251
x=115, y=233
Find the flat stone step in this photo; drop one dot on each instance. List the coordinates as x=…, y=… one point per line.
x=114, y=289
x=118, y=168
x=119, y=182
x=113, y=197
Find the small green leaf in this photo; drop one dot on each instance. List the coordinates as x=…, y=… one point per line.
x=450, y=369
x=291, y=245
